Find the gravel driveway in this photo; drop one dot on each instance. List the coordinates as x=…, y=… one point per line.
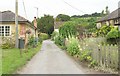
x=51, y=60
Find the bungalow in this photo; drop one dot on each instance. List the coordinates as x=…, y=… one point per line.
x=7, y=26
x=110, y=19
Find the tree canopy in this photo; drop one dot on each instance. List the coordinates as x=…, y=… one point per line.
x=63, y=17
x=46, y=24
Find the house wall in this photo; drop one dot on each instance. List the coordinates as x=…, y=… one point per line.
x=99, y=25
x=111, y=22
x=22, y=27
x=12, y=28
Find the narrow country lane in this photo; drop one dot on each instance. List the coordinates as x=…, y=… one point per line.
x=51, y=60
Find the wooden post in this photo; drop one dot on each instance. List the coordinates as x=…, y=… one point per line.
x=16, y=22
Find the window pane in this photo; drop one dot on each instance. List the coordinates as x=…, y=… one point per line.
x=7, y=30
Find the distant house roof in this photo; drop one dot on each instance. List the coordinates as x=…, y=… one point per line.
x=8, y=16
x=115, y=14
x=57, y=24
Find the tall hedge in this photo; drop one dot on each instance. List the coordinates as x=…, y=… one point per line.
x=68, y=29
x=46, y=24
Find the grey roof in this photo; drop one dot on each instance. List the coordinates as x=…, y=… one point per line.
x=57, y=24
x=8, y=16
x=115, y=14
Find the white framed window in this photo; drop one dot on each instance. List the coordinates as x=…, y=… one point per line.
x=5, y=30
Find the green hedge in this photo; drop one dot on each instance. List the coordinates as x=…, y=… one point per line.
x=68, y=29
x=44, y=36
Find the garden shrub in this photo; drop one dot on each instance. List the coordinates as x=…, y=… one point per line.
x=112, y=34
x=73, y=46
x=92, y=64
x=40, y=39
x=44, y=36
x=54, y=35
x=85, y=55
x=104, y=30
x=7, y=43
x=68, y=29
x=6, y=46
x=59, y=40
x=31, y=41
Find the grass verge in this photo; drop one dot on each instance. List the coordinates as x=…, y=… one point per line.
x=11, y=59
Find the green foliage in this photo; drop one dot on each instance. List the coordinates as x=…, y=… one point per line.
x=91, y=24
x=46, y=24
x=59, y=40
x=7, y=43
x=85, y=55
x=5, y=46
x=40, y=40
x=112, y=34
x=68, y=29
x=62, y=17
x=73, y=46
x=44, y=36
x=31, y=42
x=88, y=24
x=92, y=64
x=54, y=35
x=104, y=30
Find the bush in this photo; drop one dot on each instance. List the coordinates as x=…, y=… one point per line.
x=59, y=40
x=31, y=42
x=73, y=46
x=6, y=46
x=85, y=55
x=40, y=39
x=46, y=24
x=7, y=43
x=68, y=29
x=54, y=35
x=63, y=17
x=113, y=34
x=92, y=64
x=104, y=30
x=44, y=36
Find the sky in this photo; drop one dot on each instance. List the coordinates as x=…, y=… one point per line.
x=55, y=7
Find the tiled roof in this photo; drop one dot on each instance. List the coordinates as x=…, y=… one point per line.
x=10, y=16
x=113, y=15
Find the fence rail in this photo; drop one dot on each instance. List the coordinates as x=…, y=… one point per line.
x=105, y=55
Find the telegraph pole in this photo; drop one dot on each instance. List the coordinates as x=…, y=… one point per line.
x=35, y=24
x=37, y=11
x=16, y=22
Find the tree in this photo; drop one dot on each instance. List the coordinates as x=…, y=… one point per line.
x=46, y=24
x=103, y=13
x=63, y=17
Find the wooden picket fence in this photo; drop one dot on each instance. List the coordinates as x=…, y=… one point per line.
x=105, y=55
